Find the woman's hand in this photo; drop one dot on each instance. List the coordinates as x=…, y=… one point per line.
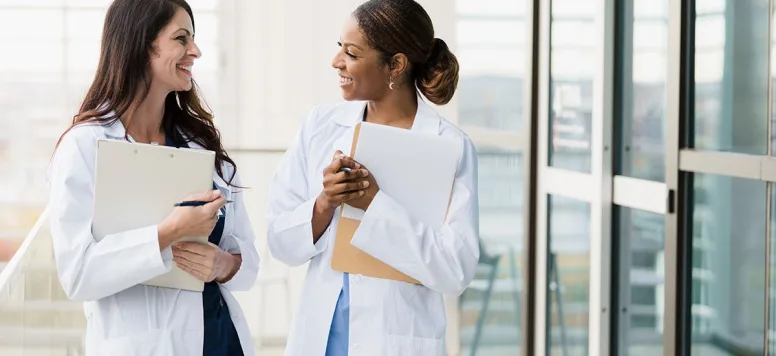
x=370, y=191
x=341, y=187
x=193, y=221
x=206, y=262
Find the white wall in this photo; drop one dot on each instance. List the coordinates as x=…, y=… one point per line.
x=277, y=66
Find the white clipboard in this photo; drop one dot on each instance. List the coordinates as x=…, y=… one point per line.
x=136, y=186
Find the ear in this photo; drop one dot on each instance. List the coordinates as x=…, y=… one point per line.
x=398, y=64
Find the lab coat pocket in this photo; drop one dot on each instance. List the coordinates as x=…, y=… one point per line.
x=401, y=345
x=146, y=343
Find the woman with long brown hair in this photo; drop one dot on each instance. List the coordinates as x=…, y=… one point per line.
x=389, y=63
x=143, y=92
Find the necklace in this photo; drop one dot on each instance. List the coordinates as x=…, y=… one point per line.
x=132, y=133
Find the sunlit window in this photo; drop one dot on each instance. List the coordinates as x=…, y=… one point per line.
x=50, y=52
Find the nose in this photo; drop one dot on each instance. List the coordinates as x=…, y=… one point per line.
x=338, y=62
x=194, y=50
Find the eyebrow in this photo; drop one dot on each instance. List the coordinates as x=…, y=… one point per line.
x=346, y=44
x=185, y=30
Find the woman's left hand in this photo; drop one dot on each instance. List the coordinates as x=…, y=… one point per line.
x=370, y=192
x=206, y=262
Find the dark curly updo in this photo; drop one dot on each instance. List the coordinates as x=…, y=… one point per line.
x=403, y=26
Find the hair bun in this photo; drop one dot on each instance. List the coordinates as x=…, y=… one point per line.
x=438, y=79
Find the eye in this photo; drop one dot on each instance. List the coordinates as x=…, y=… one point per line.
x=351, y=55
x=182, y=39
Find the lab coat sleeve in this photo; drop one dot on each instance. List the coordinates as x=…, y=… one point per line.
x=241, y=241
x=87, y=269
x=442, y=259
x=290, y=211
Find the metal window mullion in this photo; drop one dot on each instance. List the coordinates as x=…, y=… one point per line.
x=530, y=164
x=602, y=172
x=541, y=322
x=675, y=113
x=768, y=187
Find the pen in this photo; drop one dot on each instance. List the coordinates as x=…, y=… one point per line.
x=196, y=203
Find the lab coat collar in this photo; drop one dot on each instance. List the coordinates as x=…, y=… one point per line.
x=426, y=118
x=116, y=131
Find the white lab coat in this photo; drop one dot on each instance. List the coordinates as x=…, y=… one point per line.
x=124, y=317
x=387, y=317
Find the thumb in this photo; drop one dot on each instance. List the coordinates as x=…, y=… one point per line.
x=205, y=196
x=338, y=155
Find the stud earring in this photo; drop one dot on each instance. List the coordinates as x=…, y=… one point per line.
x=390, y=85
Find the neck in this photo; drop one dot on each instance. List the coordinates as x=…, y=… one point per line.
x=145, y=117
x=397, y=109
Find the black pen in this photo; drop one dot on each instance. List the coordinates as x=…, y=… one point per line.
x=196, y=203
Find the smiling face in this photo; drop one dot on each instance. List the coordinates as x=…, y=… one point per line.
x=175, y=52
x=363, y=73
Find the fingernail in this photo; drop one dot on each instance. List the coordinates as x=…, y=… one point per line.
x=361, y=192
x=365, y=184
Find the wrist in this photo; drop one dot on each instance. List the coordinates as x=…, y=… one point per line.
x=322, y=207
x=168, y=234
x=233, y=265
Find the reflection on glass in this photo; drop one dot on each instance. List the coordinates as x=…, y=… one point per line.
x=491, y=52
x=773, y=80
x=568, y=273
x=643, y=89
x=490, y=307
x=731, y=60
x=728, y=266
x=572, y=65
x=641, y=257
x=772, y=281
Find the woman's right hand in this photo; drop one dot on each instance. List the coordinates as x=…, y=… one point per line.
x=340, y=187
x=191, y=221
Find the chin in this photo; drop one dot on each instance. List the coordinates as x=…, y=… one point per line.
x=185, y=87
x=348, y=95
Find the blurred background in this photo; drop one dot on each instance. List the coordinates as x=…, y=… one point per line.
x=602, y=75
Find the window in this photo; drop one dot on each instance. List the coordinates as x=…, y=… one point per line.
x=54, y=47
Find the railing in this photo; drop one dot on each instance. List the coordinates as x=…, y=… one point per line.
x=37, y=318
x=35, y=314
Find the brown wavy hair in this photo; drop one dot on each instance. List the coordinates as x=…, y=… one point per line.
x=130, y=28
x=403, y=26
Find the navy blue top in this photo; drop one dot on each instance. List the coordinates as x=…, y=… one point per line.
x=220, y=337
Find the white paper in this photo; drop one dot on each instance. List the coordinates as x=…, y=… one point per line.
x=416, y=169
x=352, y=213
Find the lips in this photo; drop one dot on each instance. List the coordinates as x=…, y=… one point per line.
x=345, y=80
x=185, y=68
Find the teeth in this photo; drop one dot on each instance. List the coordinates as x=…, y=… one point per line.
x=188, y=68
x=345, y=80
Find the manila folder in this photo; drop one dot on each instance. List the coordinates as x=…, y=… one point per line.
x=415, y=169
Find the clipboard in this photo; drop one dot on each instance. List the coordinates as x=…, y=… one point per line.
x=443, y=152
x=136, y=186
